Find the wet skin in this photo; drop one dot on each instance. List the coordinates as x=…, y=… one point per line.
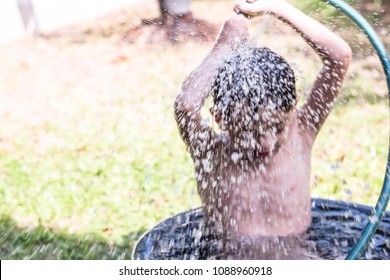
x=255, y=180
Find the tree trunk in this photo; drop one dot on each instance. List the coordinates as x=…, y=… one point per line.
x=177, y=23
x=163, y=10
x=175, y=7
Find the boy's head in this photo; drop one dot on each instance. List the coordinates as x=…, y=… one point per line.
x=251, y=85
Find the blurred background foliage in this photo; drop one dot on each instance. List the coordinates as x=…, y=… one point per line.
x=90, y=156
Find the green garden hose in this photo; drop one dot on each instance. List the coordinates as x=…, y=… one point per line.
x=383, y=200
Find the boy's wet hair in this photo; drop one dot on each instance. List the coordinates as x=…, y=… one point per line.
x=258, y=75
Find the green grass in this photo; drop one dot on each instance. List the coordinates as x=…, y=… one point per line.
x=88, y=184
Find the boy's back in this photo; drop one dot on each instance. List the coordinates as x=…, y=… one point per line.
x=251, y=194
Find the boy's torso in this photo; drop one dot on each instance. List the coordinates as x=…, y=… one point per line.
x=247, y=196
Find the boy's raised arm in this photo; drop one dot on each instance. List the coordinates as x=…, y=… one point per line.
x=334, y=52
x=197, y=85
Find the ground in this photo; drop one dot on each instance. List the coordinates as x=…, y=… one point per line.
x=90, y=156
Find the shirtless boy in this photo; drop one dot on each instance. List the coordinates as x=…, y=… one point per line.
x=253, y=177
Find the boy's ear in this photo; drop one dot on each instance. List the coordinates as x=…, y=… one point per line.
x=217, y=117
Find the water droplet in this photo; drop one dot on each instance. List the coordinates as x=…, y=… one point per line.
x=335, y=166
x=236, y=157
x=206, y=165
x=374, y=219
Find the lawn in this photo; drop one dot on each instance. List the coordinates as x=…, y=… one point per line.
x=90, y=156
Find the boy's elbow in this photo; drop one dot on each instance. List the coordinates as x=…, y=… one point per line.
x=340, y=58
x=345, y=56
x=348, y=54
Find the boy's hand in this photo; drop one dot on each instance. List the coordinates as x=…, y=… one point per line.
x=234, y=32
x=257, y=7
